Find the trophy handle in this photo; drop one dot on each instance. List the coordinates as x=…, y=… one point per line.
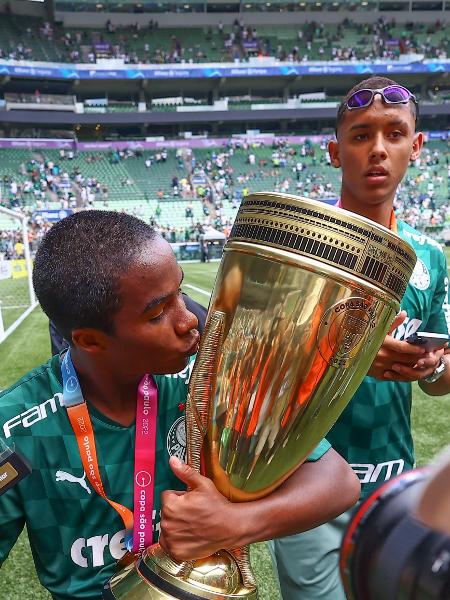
x=242, y=557
x=201, y=387
x=198, y=402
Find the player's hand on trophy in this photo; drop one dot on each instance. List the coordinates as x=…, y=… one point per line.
x=397, y=360
x=196, y=523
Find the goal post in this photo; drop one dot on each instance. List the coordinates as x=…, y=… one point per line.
x=17, y=297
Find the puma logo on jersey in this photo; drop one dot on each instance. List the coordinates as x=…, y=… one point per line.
x=63, y=476
x=35, y=414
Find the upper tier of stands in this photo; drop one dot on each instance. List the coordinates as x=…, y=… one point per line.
x=28, y=38
x=176, y=189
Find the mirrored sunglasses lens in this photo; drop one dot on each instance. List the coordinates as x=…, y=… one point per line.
x=396, y=93
x=360, y=99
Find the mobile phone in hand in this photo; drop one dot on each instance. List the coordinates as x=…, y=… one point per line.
x=429, y=341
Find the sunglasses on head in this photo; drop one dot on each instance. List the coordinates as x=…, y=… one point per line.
x=391, y=94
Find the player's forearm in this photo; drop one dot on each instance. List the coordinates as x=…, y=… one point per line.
x=315, y=493
x=201, y=521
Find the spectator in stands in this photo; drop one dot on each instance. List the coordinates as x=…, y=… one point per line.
x=376, y=140
x=121, y=309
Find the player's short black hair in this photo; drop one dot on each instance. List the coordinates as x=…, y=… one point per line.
x=79, y=264
x=371, y=83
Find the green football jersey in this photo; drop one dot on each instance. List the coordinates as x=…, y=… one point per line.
x=75, y=535
x=374, y=432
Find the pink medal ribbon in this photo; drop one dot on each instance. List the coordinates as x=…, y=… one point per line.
x=138, y=525
x=144, y=463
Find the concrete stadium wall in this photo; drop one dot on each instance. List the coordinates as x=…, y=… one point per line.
x=89, y=19
x=250, y=18
x=23, y=7
x=62, y=118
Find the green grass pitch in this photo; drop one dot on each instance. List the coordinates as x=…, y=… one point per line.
x=14, y=299
x=29, y=346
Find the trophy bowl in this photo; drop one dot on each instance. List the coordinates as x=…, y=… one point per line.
x=303, y=298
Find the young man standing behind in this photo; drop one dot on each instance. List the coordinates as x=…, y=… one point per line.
x=376, y=139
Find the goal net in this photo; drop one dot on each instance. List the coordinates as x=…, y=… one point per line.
x=17, y=298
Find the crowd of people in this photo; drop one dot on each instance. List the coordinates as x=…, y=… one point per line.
x=315, y=41
x=384, y=39
x=422, y=208
x=219, y=180
x=11, y=241
x=41, y=181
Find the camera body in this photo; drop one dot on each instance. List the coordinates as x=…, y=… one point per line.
x=388, y=553
x=13, y=467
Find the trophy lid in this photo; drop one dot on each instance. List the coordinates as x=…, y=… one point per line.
x=328, y=234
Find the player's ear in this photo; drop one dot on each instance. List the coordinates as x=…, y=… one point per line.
x=333, y=150
x=89, y=339
x=417, y=145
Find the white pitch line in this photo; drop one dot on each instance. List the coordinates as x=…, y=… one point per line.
x=199, y=290
x=15, y=306
x=16, y=324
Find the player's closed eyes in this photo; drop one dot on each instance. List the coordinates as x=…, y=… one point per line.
x=159, y=315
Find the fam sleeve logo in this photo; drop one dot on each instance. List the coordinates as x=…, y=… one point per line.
x=33, y=415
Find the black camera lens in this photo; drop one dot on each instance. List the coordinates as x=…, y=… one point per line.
x=386, y=554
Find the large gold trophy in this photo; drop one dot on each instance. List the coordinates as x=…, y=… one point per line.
x=303, y=299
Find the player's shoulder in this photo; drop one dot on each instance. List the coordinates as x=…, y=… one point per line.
x=419, y=241
x=36, y=376
x=34, y=388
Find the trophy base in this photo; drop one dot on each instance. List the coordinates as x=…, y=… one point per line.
x=155, y=576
